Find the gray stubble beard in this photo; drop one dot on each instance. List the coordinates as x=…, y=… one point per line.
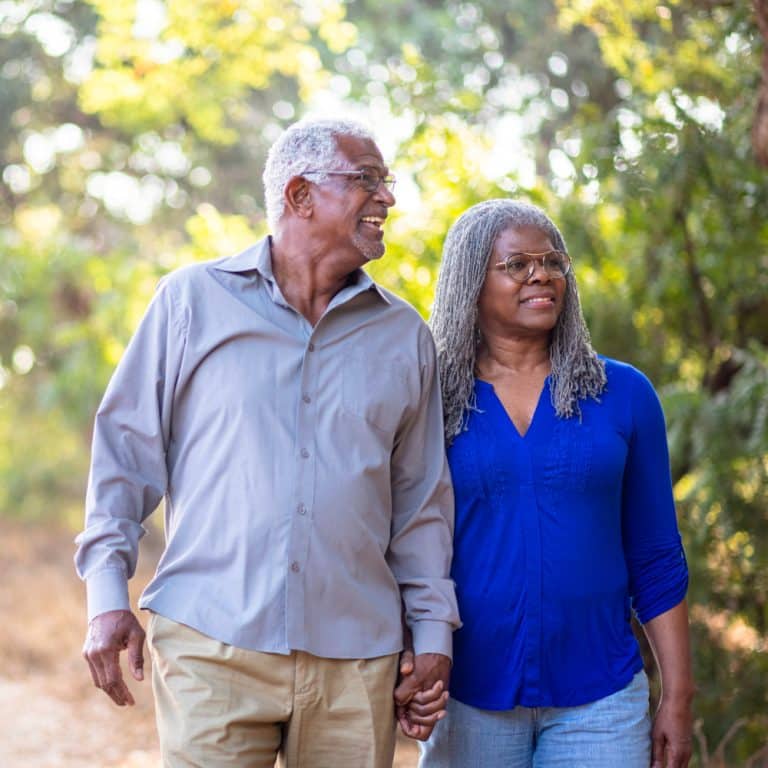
x=369, y=250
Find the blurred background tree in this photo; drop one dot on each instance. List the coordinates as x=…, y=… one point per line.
x=132, y=139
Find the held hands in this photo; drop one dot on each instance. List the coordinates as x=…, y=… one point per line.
x=108, y=634
x=422, y=692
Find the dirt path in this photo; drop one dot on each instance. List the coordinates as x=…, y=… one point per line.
x=50, y=714
x=41, y=728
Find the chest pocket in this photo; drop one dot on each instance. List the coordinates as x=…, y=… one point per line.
x=378, y=391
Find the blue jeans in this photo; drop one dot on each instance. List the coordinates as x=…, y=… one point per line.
x=608, y=733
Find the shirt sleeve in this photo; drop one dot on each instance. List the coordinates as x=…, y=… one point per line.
x=658, y=572
x=422, y=518
x=128, y=473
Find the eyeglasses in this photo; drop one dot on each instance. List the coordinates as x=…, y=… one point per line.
x=368, y=178
x=521, y=266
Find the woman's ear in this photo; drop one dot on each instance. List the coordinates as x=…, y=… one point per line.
x=298, y=197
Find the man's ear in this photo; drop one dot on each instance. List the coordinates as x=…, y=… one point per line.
x=298, y=197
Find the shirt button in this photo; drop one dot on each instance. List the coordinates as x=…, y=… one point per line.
x=306, y=398
x=304, y=453
x=301, y=509
x=295, y=567
x=311, y=347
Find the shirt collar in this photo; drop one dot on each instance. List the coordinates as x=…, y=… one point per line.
x=259, y=257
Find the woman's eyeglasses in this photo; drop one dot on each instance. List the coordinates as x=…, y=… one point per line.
x=521, y=266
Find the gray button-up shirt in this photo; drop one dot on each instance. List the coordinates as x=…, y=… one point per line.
x=305, y=482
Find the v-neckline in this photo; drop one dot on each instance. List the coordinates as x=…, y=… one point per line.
x=509, y=420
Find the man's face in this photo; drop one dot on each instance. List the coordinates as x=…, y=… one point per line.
x=347, y=215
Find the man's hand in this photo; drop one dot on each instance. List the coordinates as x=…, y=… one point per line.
x=108, y=634
x=422, y=692
x=672, y=734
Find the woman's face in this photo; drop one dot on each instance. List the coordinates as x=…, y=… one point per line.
x=510, y=309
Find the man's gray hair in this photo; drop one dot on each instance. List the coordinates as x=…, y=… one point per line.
x=303, y=146
x=576, y=370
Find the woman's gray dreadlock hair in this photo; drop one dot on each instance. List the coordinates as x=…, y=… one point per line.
x=576, y=370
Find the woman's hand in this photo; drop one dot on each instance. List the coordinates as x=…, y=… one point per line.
x=672, y=732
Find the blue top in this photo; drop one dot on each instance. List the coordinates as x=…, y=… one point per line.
x=560, y=534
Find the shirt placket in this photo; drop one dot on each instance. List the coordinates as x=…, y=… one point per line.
x=305, y=459
x=533, y=575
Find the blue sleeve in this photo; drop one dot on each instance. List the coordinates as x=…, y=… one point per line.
x=658, y=572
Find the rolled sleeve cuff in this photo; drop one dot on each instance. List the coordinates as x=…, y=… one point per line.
x=432, y=637
x=665, y=587
x=107, y=590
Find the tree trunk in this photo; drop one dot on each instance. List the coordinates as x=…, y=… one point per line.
x=760, y=125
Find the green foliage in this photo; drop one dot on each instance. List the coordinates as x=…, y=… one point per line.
x=199, y=60
x=132, y=136
x=64, y=319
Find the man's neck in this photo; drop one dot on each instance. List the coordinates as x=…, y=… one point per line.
x=308, y=277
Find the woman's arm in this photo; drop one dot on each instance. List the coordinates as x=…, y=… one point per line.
x=658, y=573
x=673, y=724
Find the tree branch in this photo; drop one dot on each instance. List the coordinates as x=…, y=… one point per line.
x=710, y=339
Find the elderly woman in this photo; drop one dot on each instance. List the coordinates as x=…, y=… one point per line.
x=565, y=520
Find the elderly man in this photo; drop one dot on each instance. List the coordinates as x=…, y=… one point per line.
x=287, y=410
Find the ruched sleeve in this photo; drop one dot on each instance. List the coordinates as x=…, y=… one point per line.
x=658, y=572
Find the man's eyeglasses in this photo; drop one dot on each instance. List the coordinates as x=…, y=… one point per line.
x=368, y=178
x=521, y=266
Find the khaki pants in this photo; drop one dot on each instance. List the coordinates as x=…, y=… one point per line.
x=218, y=705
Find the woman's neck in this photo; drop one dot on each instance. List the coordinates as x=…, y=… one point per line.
x=498, y=357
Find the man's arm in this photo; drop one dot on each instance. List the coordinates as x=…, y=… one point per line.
x=421, y=544
x=128, y=478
